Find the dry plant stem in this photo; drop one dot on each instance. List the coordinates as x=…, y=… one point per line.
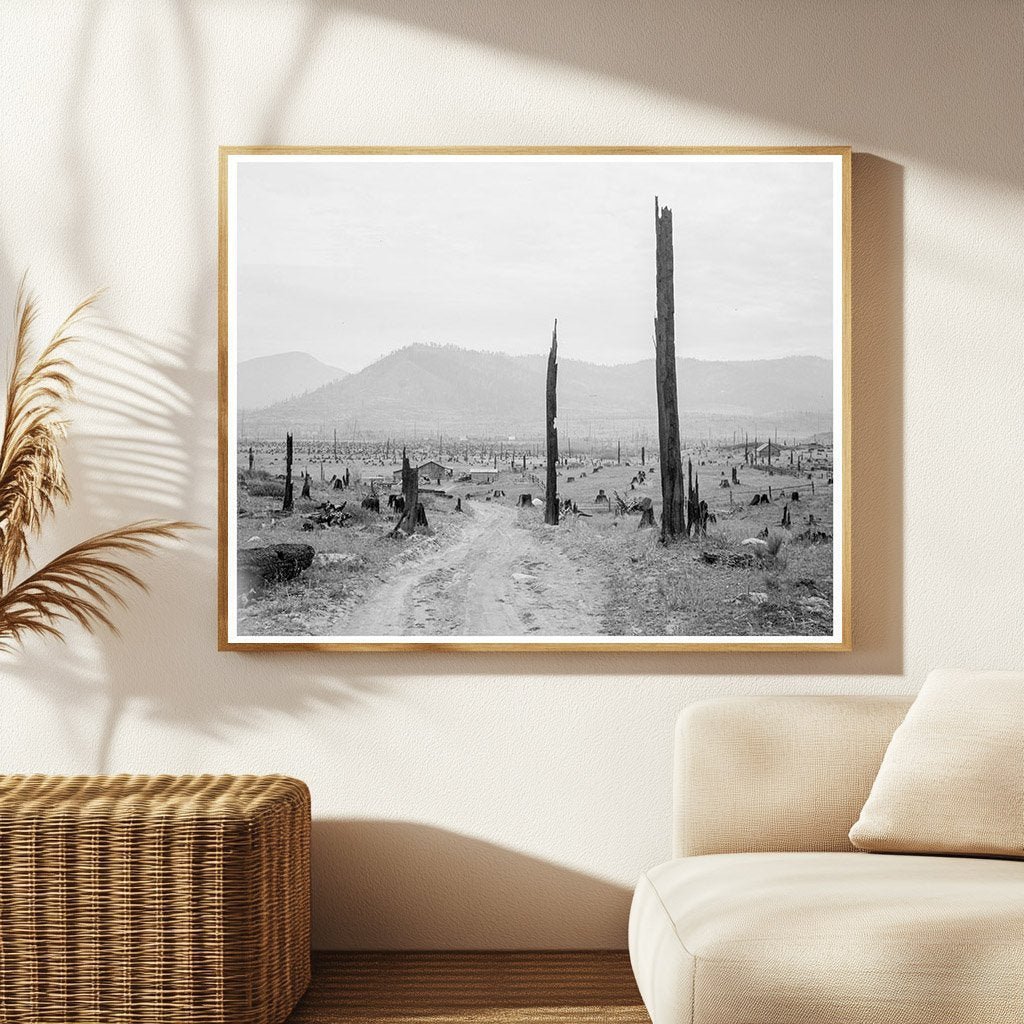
x=80, y=584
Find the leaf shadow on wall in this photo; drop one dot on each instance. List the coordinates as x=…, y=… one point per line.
x=903, y=79
x=142, y=451
x=149, y=448
x=406, y=885
x=145, y=446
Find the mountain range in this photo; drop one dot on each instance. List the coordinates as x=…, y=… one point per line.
x=427, y=389
x=268, y=379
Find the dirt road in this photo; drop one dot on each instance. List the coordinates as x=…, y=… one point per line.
x=496, y=579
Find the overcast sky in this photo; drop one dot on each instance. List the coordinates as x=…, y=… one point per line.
x=349, y=260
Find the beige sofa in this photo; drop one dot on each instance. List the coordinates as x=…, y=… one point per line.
x=767, y=914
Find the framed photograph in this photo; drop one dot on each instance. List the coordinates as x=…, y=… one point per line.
x=519, y=399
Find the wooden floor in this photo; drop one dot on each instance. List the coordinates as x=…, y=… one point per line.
x=471, y=988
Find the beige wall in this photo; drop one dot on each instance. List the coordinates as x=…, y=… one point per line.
x=471, y=800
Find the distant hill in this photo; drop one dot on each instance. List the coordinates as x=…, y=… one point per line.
x=269, y=379
x=430, y=388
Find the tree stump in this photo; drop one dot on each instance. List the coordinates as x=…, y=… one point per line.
x=646, y=514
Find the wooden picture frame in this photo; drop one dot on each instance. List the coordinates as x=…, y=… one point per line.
x=357, y=580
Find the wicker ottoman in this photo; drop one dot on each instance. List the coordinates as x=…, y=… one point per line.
x=137, y=900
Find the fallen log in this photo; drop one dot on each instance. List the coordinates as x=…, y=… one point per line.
x=326, y=514
x=275, y=563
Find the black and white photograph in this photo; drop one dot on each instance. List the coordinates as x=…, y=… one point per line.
x=535, y=398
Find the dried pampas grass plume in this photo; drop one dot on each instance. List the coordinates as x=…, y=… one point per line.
x=82, y=584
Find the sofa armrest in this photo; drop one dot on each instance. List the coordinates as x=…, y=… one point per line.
x=760, y=774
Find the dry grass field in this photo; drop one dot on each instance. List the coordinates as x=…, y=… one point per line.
x=495, y=569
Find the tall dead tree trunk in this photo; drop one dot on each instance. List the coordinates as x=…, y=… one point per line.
x=673, y=498
x=551, y=493
x=690, y=518
x=289, y=495
x=411, y=494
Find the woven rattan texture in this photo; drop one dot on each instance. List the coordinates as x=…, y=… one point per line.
x=145, y=899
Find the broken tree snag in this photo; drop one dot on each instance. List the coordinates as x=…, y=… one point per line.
x=696, y=510
x=673, y=498
x=289, y=495
x=411, y=494
x=551, y=493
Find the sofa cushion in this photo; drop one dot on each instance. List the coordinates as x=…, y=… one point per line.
x=830, y=938
x=774, y=774
x=950, y=780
